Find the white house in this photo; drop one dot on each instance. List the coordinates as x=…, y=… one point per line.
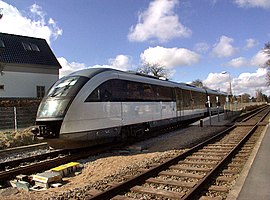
x=28, y=66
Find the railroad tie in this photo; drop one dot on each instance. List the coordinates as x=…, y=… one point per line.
x=174, y=183
x=184, y=175
x=158, y=192
x=199, y=169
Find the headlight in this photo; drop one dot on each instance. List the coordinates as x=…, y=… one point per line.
x=52, y=108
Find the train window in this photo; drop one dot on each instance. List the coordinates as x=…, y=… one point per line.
x=118, y=90
x=94, y=96
x=179, y=99
x=121, y=90
x=134, y=91
x=164, y=93
x=101, y=93
x=186, y=99
x=148, y=92
x=112, y=90
x=199, y=99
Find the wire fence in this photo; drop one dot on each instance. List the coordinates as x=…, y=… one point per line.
x=14, y=118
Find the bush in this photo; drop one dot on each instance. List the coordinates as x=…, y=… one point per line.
x=15, y=139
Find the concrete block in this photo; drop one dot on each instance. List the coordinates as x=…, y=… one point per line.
x=47, y=177
x=66, y=169
x=23, y=185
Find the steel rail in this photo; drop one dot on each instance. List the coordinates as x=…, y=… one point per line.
x=248, y=115
x=21, y=148
x=140, y=179
x=257, y=111
x=194, y=191
x=35, y=158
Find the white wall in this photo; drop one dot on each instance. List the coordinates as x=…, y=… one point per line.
x=22, y=84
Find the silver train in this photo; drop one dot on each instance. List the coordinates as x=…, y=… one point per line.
x=98, y=105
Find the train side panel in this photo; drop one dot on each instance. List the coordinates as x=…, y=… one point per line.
x=85, y=115
x=139, y=112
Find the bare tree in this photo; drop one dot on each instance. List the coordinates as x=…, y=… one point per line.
x=156, y=69
x=268, y=78
x=266, y=50
x=197, y=83
x=259, y=95
x=245, y=98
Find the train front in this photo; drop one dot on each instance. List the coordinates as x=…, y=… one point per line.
x=54, y=106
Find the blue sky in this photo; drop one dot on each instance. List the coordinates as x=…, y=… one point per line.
x=194, y=39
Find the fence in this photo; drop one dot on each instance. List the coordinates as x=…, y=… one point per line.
x=17, y=117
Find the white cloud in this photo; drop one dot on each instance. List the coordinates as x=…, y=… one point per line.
x=68, y=68
x=259, y=59
x=250, y=43
x=250, y=82
x=120, y=62
x=217, y=81
x=237, y=62
x=224, y=47
x=253, y=3
x=244, y=83
x=202, y=47
x=169, y=57
x=159, y=22
x=33, y=25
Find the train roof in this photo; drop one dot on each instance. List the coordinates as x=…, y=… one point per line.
x=210, y=91
x=89, y=72
x=190, y=87
x=94, y=71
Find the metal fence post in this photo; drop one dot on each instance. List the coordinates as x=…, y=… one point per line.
x=15, y=119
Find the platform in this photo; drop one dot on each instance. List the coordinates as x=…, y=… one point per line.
x=254, y=180
x=215, y=120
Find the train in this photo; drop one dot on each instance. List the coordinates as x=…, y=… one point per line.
x=100, y=105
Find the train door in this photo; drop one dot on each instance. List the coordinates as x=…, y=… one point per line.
x=179, y=102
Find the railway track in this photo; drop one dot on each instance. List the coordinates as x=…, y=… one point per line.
x=204, y=171
x=46, y=161
x=23, y=148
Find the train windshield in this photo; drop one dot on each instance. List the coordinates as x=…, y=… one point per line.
x=65, y=86
x=56, y=102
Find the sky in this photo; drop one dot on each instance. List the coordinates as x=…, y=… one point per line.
x=216, y=41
